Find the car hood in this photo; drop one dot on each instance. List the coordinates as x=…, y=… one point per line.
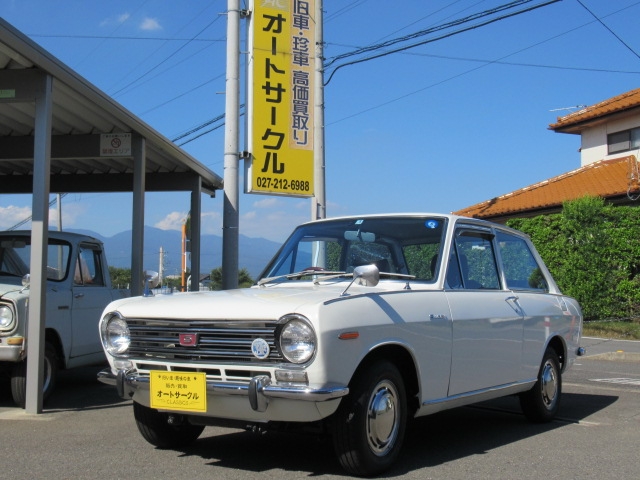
x=246, y=303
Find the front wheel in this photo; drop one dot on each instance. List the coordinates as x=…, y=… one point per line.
x=19, y=377
x=156, y=428
x=541, y=403
x=368, y=428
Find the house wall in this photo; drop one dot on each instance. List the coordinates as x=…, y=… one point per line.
x=594, y=139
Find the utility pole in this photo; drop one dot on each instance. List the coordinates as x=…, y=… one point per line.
x=318, y=201
x=161, y=265
x=59, y=209
x=231, y=213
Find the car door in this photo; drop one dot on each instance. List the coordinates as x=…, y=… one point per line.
x=526, y=277
x=90, y=296
x=487, y=320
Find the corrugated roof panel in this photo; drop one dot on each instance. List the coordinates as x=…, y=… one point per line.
x=80, y=108
x=615, y=104
x=606, y=178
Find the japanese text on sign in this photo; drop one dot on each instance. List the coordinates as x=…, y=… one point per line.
x=281, y=120
x=182, y=391
x=115, y=145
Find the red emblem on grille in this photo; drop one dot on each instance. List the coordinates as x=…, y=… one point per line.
x=188, y=339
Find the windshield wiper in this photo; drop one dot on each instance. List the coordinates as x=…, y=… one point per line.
x=303, y=273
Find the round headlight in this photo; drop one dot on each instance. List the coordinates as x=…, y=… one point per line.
x=297, y=340
x=6, y=317
x=116, y=337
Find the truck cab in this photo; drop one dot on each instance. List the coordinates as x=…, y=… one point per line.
x=78, y=288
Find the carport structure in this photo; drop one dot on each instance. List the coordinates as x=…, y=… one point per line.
x=59, y=133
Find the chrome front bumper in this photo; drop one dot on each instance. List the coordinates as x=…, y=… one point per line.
x=11, y=353
x=259, y=389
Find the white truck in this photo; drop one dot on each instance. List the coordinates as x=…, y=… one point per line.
x=78, y=289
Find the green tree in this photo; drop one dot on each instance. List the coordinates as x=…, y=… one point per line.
x=244, y=278
x=120, y=277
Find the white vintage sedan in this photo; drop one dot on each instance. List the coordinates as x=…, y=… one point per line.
x=355, y=327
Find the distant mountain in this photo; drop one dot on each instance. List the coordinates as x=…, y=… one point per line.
x=254, y=253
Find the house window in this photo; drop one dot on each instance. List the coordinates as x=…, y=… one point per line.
x=623, y=141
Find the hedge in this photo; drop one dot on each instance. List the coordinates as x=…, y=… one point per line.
x=592, y=249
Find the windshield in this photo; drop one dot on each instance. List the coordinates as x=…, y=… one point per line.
x=15, y=257
x=402, y=245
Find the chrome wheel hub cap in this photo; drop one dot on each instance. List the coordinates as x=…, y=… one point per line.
x=549, y=384
x=383, y=418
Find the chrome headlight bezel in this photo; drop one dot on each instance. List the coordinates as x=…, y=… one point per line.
x=7, y=318
x=296, y=339
x=115, y=335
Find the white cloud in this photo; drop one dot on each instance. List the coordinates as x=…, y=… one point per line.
x=267, y=203
x=275, y=225
x=11, y=215
x=71, y=212
x=172, y=221
x=150, y=24
x=211, y=223
x=117, y=20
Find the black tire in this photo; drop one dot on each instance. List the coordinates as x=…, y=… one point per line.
x=541, y=403
x=156, y=429
x=50, y=378
x=369, y=426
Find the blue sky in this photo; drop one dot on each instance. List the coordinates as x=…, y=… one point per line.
x=435, y=128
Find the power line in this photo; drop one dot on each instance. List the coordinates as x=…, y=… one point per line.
x=167, y=58
x=610, y=31
x=113, y=37
x=531, y=65
x=441, y=37
x=428, y=31
x=30, y=217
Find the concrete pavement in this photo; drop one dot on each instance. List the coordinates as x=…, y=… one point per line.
x=611, y=349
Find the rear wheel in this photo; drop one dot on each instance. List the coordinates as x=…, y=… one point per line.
x=370, y=423
x=19, y=377
x=164, y=430
x=541, y=403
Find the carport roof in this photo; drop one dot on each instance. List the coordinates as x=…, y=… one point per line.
x=81, y=116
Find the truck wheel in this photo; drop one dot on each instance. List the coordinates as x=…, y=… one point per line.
x=369, y=425
x=156, y=429
x=541, y=403
x=19, y=377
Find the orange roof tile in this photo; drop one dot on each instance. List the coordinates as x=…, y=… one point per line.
x=616, y=104
x=605, y=178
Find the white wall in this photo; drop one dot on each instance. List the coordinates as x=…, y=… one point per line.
x=594, y=140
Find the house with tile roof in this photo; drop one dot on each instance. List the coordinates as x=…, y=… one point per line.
x=610, y=144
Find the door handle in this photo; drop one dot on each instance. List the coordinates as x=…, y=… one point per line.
x=78, y=295
x=513, y=301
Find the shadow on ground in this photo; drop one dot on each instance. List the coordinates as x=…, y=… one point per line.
x=471, y=430
x=77, y=389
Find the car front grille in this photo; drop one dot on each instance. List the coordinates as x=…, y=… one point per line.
x=217, y=341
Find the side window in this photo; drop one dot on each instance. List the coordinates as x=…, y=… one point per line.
x=88, y=269
x=57, y=261
x=473, y=261
x=521, y=270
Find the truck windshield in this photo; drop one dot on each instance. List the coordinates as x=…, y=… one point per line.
x=408, y=245
x=15, y=257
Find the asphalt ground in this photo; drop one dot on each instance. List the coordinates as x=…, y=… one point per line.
x=86, y=431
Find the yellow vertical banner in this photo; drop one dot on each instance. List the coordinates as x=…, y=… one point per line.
x=281, y=82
